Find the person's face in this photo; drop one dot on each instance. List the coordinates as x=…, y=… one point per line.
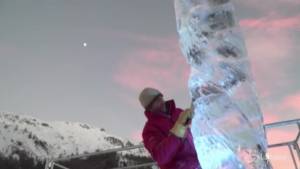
x=157, y=105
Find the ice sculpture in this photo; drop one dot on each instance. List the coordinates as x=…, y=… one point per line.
x=227, y=126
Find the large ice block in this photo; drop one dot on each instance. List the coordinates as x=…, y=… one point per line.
x=227, y=126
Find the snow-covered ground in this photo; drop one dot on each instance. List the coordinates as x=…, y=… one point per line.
x=43, y=139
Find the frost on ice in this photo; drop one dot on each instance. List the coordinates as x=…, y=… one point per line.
x=228, y=124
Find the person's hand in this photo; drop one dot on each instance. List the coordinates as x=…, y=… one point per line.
x=179, y=128
x=184, y=116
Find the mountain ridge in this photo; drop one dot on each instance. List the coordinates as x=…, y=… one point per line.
x=22, y=135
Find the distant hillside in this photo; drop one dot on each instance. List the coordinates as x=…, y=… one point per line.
x=26, y=142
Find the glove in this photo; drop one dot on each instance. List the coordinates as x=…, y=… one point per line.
x=179, y=129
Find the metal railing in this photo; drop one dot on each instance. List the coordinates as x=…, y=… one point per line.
x=51, y=163
x=291, y=144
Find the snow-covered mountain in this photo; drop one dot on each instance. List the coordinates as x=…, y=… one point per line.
x=41, y=140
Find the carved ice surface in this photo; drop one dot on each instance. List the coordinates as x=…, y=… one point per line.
x=227, y=126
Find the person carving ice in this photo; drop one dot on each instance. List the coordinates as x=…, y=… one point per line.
x=166, y=134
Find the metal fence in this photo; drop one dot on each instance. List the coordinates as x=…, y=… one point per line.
x=293, y=144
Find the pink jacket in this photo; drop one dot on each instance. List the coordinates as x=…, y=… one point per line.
x=169, y=151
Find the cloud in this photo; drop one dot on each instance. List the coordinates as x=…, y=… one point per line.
x=161, y=66
x=269, y=23
x=271, y=47
x=269, y=54
x=288, y=107
x=268, y=5
x=291, y=103
x=270, y=117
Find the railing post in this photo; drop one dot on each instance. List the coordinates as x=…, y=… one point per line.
x=296, y=147
x=293, y=157
x=49, y=164
x=52, y=164
x=296, y=141
x=46, y=164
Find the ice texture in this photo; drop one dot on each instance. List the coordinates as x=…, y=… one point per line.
x=227, y=125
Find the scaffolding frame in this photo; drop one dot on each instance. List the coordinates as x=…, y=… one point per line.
x=51, y=163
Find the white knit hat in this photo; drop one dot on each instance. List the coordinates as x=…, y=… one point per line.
x=147, y=96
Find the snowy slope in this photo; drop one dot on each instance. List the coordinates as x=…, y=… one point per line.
x=41, y=139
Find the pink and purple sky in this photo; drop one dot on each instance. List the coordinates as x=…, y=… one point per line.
x=46, y=70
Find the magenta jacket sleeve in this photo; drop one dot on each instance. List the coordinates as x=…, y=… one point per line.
x=162, y=148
